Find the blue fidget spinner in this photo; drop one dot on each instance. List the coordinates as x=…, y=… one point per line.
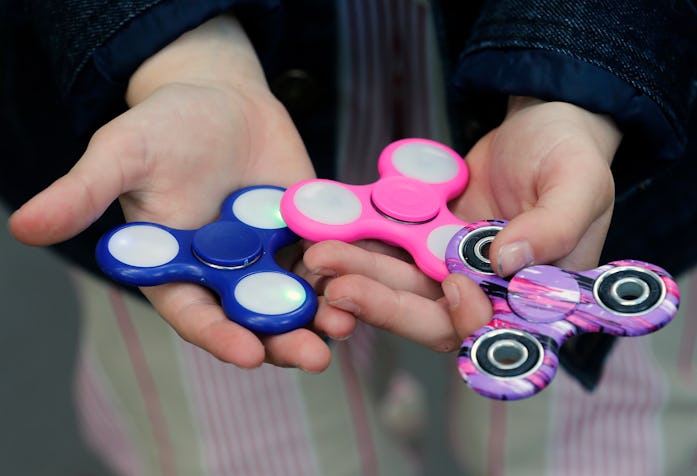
x=233, y=256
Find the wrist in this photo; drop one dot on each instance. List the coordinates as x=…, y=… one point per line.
x=601, y=127
x=217, y=53
x=518, y=103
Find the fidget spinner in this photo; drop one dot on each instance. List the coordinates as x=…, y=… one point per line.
x=537, y=309
x=233, y=256
x=406, y=206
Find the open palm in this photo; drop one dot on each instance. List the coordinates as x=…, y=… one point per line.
x=172, y=159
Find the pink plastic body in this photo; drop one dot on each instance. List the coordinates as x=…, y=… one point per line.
x=406, y=207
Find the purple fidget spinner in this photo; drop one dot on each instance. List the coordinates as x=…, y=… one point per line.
x=537, y=309
x=233, y=256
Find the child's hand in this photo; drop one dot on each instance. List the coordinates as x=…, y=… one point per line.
x=546, y=169
x=202, y=125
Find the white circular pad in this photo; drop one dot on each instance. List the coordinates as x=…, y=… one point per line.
x=260, y=208
x=439, y=238
x=144, y=246
x=270, y=293
x=327, y=203
x=425, y=162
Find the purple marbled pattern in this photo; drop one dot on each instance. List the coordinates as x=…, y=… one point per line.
x=550, y=305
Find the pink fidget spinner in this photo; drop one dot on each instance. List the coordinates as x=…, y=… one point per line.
x=407, y=206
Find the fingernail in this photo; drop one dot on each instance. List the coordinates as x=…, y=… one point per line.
x=513, y=257
x=346, y=304
x=343, y=338
x=452, y=295
x=328, y=273
x=327, y=339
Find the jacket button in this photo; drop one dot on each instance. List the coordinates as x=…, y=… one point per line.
x=296, y=89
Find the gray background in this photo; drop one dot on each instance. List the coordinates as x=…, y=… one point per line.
x=38, y=338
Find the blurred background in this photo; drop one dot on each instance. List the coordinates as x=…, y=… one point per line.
x=38, y=338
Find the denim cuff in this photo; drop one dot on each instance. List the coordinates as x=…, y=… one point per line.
x=553, y=76
x=98, y=90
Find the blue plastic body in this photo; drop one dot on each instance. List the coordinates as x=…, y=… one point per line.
x=218, y=256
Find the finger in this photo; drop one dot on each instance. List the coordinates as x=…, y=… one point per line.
x=300, y=348
x=195, y=314
x=377, y=246
x=76, y=200
x=333, y=322
x=571, y=215
x=469, y=307
x=335, y=258
x=315, y=279
x=406, y=314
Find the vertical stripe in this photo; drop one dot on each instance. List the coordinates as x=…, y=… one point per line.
x=357, y=406
x=686, y=352
x=391, y=80
x=358, y=47
x=613, y=430
x=395, y=83
x=363, y=342
x=104, y=347
x=688, y=337
x=378, y=64
x=458, y=446
x=103, y=343
x=147, y=385
x=158, y=343
x=99, y=419
x=497, y=439
x=478, y=428
x=329, y=420
x=672, y=347
x=420, y=73
x=247, y=416
x=215, y=438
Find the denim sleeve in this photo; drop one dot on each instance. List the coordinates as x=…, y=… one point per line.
x=95, y=45
x=632, y=59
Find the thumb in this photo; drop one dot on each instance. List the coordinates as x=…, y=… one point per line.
x=468, y=306
x=76, y=200
x=567, y=226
